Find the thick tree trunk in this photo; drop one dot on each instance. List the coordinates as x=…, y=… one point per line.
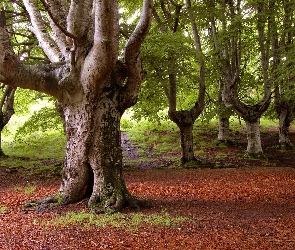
x=223, y=130
x=285, y=119
x=186, y=140
x=93, y=164
x=254, y=148
x=185, y=121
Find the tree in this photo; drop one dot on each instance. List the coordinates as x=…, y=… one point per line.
x=282, y=22
x=92, y=86
x=177, y=58
x=6, y=109
x=232, y=34
x=24, y=45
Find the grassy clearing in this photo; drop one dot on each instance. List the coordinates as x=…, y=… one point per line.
x=38, y=153
x=118, y=220
x=42, y=153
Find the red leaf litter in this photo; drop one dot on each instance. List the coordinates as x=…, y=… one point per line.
x=233, y=208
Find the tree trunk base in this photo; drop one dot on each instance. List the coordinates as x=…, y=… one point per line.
x=259, y=155
x=225, y=143
x=195, y=163
x=109, y=205
x=286, y=146
x=113, y=203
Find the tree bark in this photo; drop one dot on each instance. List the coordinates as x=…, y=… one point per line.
x=254, y=148
x=223, y=130
x=6, y=110
x=94, y=156
x=185, y=120
x=187, y=147
x=285, y=119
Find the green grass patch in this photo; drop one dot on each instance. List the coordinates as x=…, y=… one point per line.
x=221, y=156
x=118, y=220
x=37, y=145
x=38, y=153
x=3, y=209
x=28, y=189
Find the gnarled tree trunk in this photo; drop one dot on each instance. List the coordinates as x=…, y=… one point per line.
x=230, y=55
x=92, y=87
x=185, y=120
x=95, y=167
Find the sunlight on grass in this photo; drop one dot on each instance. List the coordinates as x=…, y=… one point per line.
x=118, y=220
x=37, y=145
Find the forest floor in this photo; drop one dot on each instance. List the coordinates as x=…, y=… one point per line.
x=234, y=203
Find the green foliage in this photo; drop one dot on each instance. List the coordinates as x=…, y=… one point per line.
x=43, y=120
x=23, y=100
x=144, y=133
x=130, y=221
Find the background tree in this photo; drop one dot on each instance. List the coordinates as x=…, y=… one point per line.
x=282, y=25
x=6, y=109
x=24, y=45
x=234, y=37
x=92, y=86
x=179, y=69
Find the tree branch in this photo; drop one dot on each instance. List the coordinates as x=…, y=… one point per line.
x=199, y=105
x=132, y=49
x=57, y=11
x=13, y=73
x=46, y=42
x=104, y=52
x=78, y=18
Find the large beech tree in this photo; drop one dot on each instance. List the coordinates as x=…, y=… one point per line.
x=93, y=88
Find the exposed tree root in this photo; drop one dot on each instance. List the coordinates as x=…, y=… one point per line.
x=115, y=202
x=108, y=205
x=46, y=203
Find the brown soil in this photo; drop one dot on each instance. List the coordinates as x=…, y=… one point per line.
x=248, y=205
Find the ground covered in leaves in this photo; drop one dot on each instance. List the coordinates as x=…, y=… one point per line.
x=236, y=204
